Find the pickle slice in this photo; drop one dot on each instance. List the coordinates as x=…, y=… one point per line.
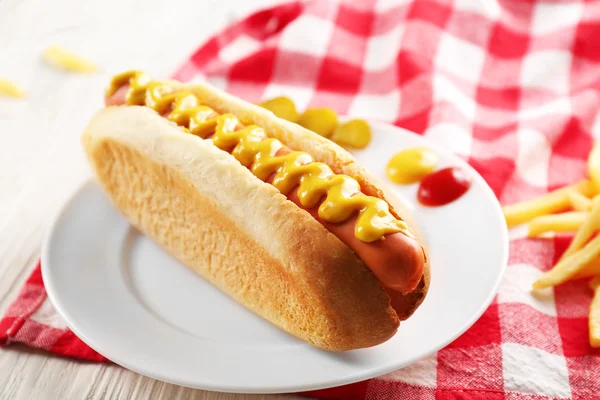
x=319, y=120
x=355, y=133
x=282, y=107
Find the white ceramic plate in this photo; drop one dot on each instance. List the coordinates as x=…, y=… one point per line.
x=133, y=303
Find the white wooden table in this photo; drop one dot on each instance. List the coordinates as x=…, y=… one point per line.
x=41, y=162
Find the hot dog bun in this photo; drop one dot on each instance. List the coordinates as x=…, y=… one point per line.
x=240, y=233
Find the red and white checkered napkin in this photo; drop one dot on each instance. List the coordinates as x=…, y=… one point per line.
x=512, y=86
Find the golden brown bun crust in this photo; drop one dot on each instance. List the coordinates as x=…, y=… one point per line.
x=217, y=218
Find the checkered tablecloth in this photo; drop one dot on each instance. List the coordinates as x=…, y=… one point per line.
x=511, y=86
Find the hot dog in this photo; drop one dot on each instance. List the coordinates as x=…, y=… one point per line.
x=326, y=189
x=396, y=261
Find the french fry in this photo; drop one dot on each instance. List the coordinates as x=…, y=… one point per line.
x=565, y=222
x=67, y=60
x=579, y=202
x=10, y=89
x=553, y=202
x=586, y=230
x=594, y=319
x=570, y=266
x=590, y=270
x=593, y=164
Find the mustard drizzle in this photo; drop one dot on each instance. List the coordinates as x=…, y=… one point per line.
x=253, y=149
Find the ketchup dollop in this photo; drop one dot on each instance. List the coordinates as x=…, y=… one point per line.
x=443, y=186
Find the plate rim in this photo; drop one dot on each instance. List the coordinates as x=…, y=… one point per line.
x=54, y=296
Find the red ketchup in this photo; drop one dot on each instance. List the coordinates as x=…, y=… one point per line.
x=443, y=186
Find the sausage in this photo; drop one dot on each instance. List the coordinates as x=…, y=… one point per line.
x=397, y=260
x=394, y=260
